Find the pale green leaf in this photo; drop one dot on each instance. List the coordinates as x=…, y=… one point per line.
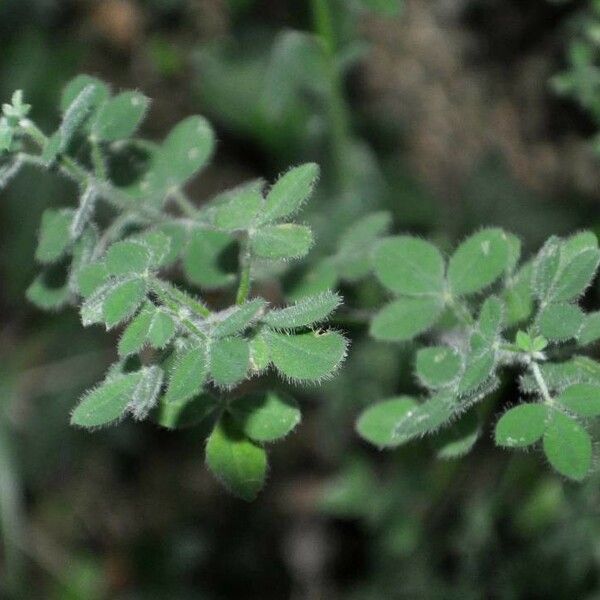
x=90, y=277
x=289, y=193
x=229, y=358
x=122, y=300
x=237, y=318
x=521, y=426
x=479, y=261
x=237, y=462
x=188, y=413
x=201, y=261
x=560, y=321
x=437, y=366
x=74, y=116
x=582, y=398
x=77, y=84
x=309, y=310
x=47, y=296
x=260, y=357
x=406, y=318
x=239, y=208
x=319, y=278
x=377, y=424
x=134, y=335
x=161, y=330
x=546, y=268
x=576, y=275
x=425, y=418
x=590, y=330
x=119, y=117
x=568, y=446
x=281, y=241
x=106, y=403
x=308, y=356
x=146, y=392
x=188, y=375
x=411, y=266
x=127, y=256
x=491, y=318
x=459, y=438
x=267, y=417
x=54, y=234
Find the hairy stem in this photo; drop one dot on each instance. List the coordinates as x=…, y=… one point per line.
x=541, y=383
x=184, y=204
x=245, y=267
x=169, y=293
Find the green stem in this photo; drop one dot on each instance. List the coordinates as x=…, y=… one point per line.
x=461, y=312
x=168, y=293
x=245, y=268
x=338, y=111
x=541, y=383
x=184, y=204
x=98, y=161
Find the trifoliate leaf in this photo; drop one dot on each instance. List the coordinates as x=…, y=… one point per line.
x=123, y=300
x=145, y=395
x=377, y=424
x=281, y=241
x=126, y=257
x=289, y=193
x=54, y=234
x=590, y=330
x=308, y=356
x=437, y=366
x=134, y=335
x=425, y=418
x=201, y=262
x=459, y=438
x=119, y=117
x=229, y=358
x=411, y=266
x=237, y=318
x=406, y=318
x=77, y=84
x=238, y=463
x=521, y=426
x=353, y=258
x=568, y=446
x=188, y=375
x=561, y=321
x=582, y=398
x=161, y=330
x=267, y=417
x=309, y=310
x=478, y=261
x=239, y=208
x=107, y=402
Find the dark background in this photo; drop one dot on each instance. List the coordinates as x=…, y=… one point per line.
x=456, y=113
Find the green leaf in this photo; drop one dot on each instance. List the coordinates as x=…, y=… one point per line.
x=238, y=463
x=127, y=256
x=84, y=212
x=47, y=296
x=590, y=330
x=75, y=115
x=518, y=296
x=146, y=393
x=406, y=318
x=307, y=311
x=77, y=84
x=188, y=375
x=123, y=300
x=237, y=318
x=387, y=8
x=281, y=241
x=188, y=413
x=437, y=366
x=201, y=259
x=521, y=426
x=546, y=268
x=582, y=398
x=425, y=418
x=134, y=335
x=161, y=330
x=267, y=417
x=229, y=358
x=353, y=258
x=377, y=424
x=90, y=277
x=165, y=242
x=479, y=368
x=319, y=278
x=478, y=261
x=576, y=275
x=560, y=321
x=238, y=209
x=184, y=152
x=568, y=446
x=54, y=234
x=491, y=318
x=411, y=266
x=459, y=438
x=106, y=403
x=289, y=193
x=308, y=356
x=260, y=357
x=119, y=117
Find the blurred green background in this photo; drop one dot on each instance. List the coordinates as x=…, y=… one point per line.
x=448, y=113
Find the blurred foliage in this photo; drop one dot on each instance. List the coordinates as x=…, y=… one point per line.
x=128, y=513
